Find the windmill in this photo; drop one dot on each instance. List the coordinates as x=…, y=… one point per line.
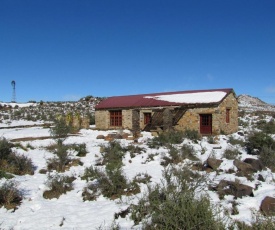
x=13, y=92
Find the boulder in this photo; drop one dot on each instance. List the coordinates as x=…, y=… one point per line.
x=268, y=205
x=244, y=167
x=233, y=188
x=100, y=137
x=256, y=164
x=213, y=163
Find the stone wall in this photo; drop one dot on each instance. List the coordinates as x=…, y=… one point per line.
x=230, y=103
x=127, y=119
x=191, y=118
x=102, y=119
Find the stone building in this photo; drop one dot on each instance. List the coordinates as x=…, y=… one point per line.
x=206, y=111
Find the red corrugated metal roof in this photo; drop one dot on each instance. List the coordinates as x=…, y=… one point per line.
x=148, y=100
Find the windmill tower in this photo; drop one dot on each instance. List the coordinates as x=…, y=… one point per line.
x=13, y=92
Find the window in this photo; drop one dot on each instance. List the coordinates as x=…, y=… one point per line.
x=147, y=118
x=227, y=116
x=116, y=118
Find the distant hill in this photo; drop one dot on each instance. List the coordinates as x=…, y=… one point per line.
x=250, y=103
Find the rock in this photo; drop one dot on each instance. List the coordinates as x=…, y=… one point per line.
x=100, y=137
x=268, y=205
x=244, y=167
x=240, y=133
x=261, y=178
x=213, y=163
x=256, y=164
x=233, y=188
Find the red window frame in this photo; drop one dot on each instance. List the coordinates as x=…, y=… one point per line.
x=227, y=116
x=116, y=118
x=147, y=118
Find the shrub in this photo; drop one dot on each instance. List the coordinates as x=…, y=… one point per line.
x=267, y=157
x=133, y=149
x=230, y=154
x=192, y=134
x=58, y=185
x=22, y=165
x=60, y=130
x=10, y=196
x=234, y=141
x=179, y=155
x=112, y=184
x=112, y=155
x=5, y=148
x=258, y=141
x=173, y=206
x=81, y=150
x=5, y=175
x=166, y=138
x=266, y=127
x=61, y=160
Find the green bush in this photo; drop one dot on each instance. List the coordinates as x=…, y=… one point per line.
x=257, y=141
x=61, y=160
x=20, y=164
x=179, y=155
x=58, y=185
x=266, y=127
x=60, y=130
x=5, y=148
x=267, y=157
x=13, y=163
x=173, y=206
x=5, y=175
x=112, y=184
x=230, y=154
x=112, y=155
x=234, y=141
x=192, y=134
x=166, y=139
x=10, y=195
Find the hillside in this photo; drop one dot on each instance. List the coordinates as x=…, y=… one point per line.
x=249, y=103
x=233, y=172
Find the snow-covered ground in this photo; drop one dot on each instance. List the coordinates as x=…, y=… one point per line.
x=69, y=211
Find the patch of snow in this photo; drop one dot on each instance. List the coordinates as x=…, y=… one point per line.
x=200, y=97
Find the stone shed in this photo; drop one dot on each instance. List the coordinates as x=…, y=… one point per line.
x=206, y=111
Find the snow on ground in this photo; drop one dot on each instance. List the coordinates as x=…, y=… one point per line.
x=71, y=212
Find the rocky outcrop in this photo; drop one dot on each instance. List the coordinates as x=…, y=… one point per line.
x=268, y=205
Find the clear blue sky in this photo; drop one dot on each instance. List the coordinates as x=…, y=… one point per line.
x=59, y=50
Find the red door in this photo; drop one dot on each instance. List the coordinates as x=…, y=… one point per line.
x=206, y=123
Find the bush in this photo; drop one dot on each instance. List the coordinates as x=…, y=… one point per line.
x=58, y=185
x=112, y=184
x=179, y=155
x=60, y=130
x=112, y=155
x=10, y=196
x=61, y=160
x=234, y=141
x=81, y=150
x=267, y=157
x=5, y=175
x=257, y=141
x=173, y=206
x=192, y=135
x=230, y=154
x=266, y=127
x=166, y=139
x=5, y=148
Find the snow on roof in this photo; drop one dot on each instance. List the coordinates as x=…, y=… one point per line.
x=198, y=97
x=179, y=98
